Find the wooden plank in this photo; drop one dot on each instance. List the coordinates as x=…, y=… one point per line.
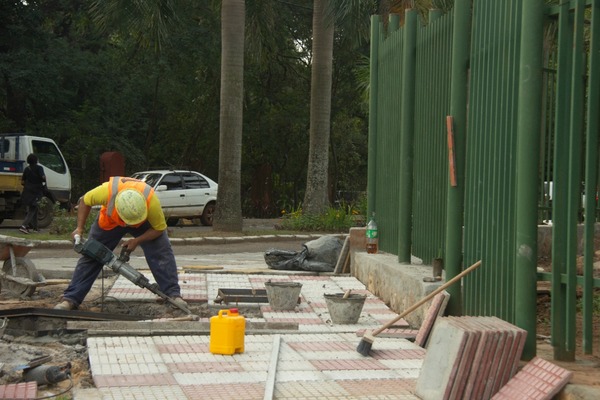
x=270, y=384
x=339, y=266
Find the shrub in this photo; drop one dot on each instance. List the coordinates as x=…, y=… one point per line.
x=333, y=220
x=65, y=222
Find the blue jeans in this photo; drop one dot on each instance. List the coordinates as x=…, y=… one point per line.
x=158, y=252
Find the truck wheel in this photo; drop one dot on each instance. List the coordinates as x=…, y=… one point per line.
x=45, y=212
x=208, y=214
x=24, y=269
x=172, y=221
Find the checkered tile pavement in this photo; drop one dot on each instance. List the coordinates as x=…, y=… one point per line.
x=317, y=361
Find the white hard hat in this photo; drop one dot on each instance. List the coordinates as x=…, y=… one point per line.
x=131, y=206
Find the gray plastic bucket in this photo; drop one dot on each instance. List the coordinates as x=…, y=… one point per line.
x=283, y=295
x=345, y=311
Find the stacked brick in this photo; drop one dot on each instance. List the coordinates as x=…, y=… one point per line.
x=469, y=358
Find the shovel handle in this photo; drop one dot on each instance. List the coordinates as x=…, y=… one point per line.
x=427, y=298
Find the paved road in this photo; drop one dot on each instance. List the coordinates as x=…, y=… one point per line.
x=231, y=248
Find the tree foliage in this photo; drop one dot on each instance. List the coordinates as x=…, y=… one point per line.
x=96, y=80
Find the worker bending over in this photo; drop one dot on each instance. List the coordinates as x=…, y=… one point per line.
x=128, y=206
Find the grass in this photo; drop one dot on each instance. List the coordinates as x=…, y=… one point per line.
x=334, y=220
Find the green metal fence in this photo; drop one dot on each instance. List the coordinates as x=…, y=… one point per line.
x=573, y=81
x=432, y=105
x=491, y=179
x=515, y=79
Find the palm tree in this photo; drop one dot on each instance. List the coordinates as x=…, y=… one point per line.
x=228, y=214
x=353, y=17
x=315, y=198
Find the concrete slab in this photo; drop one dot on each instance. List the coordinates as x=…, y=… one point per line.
x=446, y=346
x=399, y=285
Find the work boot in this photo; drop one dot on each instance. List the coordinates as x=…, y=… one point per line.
x=65, y=305
x=180, y=302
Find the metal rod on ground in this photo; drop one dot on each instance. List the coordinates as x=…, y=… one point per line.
x=364, y=347
x=270, y=384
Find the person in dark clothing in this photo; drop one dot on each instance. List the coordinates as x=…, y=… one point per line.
x=33, y=181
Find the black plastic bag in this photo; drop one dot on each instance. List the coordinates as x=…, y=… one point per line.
x=318, y=255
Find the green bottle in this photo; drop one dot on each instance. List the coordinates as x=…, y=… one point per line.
x=372, y=236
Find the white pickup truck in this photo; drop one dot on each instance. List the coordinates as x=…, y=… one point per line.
x=14, y=149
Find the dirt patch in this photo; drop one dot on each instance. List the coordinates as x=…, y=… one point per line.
x=586, y=367
x=65, y=347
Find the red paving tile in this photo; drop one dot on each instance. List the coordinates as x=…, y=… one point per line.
x=25, y=390
x=246, y=391
x=466, y=362
x=134, y=380
x=347, y=365
x=321, y=346
x=191, y=367
x=438, y=305
x=379, y=387
x=408, y=354
x=538, y=380
x=182, y=348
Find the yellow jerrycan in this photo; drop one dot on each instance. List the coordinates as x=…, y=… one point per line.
x=227, y=331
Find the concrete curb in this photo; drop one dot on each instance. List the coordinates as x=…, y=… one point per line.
x=193, y=241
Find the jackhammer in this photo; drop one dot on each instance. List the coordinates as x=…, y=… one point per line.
x=99, y=252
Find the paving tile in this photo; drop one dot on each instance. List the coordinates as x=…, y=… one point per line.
x=496, y=357
x=319, y=361
x=441, y=360
x=375, y=387
x=219, y=391
x=466, y=362
x=538, y=380
x=134, y=380
x=435, y=310
x=486, y=362
x=24, y=390
x=131, y=393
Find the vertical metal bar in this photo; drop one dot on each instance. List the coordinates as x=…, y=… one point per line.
x=406, y=138
x=591, y=176
x=574, y=181
x=528, y=136
x=461, y=42
x=373, y=95
x=560, y=177
x=434, y=14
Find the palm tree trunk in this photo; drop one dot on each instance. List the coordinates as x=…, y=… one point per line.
x=315, y=199
x=228, y=214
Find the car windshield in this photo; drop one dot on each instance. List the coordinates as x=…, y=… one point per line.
x=150, y=179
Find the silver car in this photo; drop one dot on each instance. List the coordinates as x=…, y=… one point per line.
x=183, y=194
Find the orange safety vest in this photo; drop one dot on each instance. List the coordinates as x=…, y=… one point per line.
x=109, y=218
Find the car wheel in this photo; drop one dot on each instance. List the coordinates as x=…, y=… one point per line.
x=172, y=221
x=208, y=214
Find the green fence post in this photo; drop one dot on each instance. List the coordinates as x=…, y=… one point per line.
x=560, y=214
x=406, y=136
x=528, y=139
x=372, y=145
x=461, y=43
x=591, y=178
x=574, y=177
